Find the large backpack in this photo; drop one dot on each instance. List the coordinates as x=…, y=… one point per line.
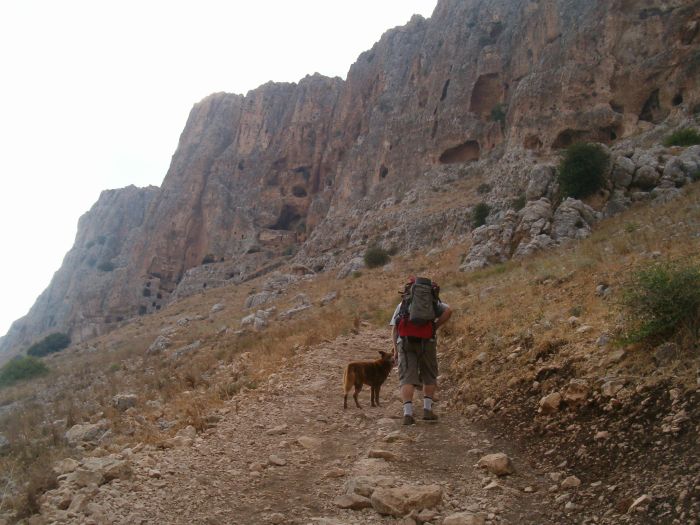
x=419, y=308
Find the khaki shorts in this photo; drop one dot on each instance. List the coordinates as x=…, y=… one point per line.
x=417, y=361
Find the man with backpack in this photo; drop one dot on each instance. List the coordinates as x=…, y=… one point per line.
x=414, y=335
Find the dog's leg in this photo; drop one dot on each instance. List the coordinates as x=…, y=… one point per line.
x=345, y=400
x=357, y=391
x=376, y=394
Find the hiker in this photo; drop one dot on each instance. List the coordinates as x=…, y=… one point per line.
x=414, y=335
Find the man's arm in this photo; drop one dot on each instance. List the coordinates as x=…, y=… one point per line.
x=444, y=317
x=394, y=336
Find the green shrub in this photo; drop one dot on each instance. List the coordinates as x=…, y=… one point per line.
x=683, y=137
x=480, y=213
x=519, y=202
x=498, y=113
x=483, y=189
x=582, y=170
x=376, y=257
x=48, y=345
x=20, y=369
x=661, y=302
x=106, y=266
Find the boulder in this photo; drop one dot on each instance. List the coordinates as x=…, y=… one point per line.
x=352, y=502
x=258, y=299
x=622, y=172
x=366, y=485
x=108, y=467
x=187, y=349
x=612, y=387
x=123, y=402
x=217, y=308
x=161, y=343
x=354, y=265
x=65, y=466
x=576, y=392
x=646, y=177
x=571, y=482
x=86, y=432
x=573, y=220
x=498, y=464
x=328, y=298
x=550, y=403
x=541, y=178
x=399, y=501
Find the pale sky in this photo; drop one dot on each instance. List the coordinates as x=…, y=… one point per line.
x=94, y=95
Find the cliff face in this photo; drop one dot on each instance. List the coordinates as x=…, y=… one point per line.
x=300, y=165
x=85, y=294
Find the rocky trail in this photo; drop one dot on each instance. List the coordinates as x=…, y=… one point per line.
x=287, y=452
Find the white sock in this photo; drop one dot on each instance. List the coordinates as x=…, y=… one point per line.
x=408, y=408
x=427, y=403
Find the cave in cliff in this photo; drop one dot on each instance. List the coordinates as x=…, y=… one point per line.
x=465, y=152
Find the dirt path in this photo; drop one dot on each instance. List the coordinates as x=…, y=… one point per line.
x=229, y=474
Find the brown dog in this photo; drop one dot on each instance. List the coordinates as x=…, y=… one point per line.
x=372, y=373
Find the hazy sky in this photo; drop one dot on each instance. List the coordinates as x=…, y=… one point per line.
x=95, y=94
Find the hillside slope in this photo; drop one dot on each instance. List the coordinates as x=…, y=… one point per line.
x=292, y=167
x=523, y=333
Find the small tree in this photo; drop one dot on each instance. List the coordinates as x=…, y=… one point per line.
x=376, y=257
x=20, y=369
x=662, y=301
x=50, y=344
x=683, y=137
x=480, y=213
x=582, y=170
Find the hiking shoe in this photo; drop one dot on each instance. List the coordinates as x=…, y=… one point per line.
x=408, y=420
x=429, y=415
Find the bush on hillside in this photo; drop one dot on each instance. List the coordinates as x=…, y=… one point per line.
x=48, y=345
x=662, y=302
x=683, y=137
x=480, y=213
x=376, y=257
x=106, y=266
x=21, y=369
x=582, y=170
x=483, y=189
x=498, y=113
x=519, y=202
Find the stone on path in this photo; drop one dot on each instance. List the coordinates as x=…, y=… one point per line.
x=352, y=502
x=463, y=518
x=400, y=501
x=383, y=454
x=498, y=464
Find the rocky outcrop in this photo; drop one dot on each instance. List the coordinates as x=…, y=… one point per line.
x=308, y=166
x=634, y=174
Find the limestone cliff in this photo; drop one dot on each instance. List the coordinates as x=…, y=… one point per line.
x=306, y=166
x=84, y=296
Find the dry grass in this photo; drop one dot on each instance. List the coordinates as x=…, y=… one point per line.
x=516, y=312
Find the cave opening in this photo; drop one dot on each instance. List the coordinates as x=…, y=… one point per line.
x=288, y=218
x=651, y=111
x=465, y=152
